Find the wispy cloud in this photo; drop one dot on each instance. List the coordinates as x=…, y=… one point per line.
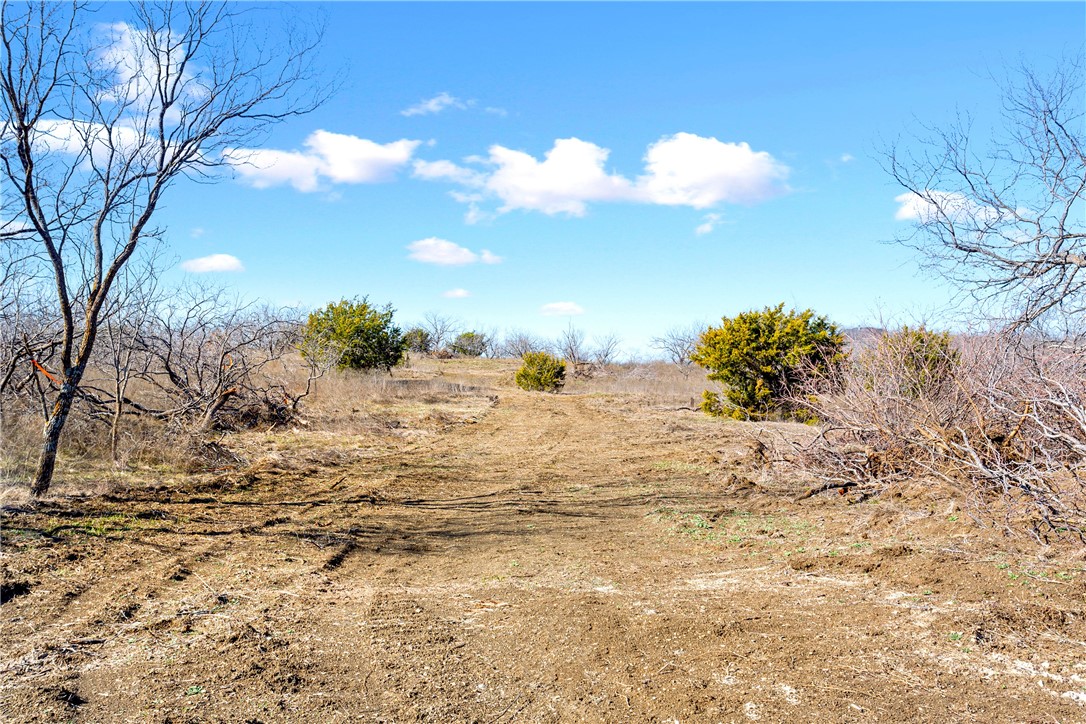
x=197, y=232
x=709, y=222
x=446, y=253
x=561, y=309
x=132, y=56
x=327, y=158
x=932, y=206
x=213, y=263
x=437, y=104
x=456, y=294
x=847, y=158
x=679, y=170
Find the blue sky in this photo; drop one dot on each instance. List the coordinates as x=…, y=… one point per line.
x=704, y=159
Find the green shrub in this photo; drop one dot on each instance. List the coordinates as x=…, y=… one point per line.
x=760, y=356
x=356, y=335
x=419, y=341
x=541, y=372
x=920, y=361
x=470, y=344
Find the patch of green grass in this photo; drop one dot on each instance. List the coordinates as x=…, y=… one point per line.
x=735, y=527
x=98, y=526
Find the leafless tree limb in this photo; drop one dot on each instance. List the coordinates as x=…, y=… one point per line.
x=1007, y=223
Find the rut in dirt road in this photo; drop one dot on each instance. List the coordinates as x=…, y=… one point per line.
x=551, y=558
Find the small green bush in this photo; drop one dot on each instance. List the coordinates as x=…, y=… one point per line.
x=470, y=344
x=760, y=357
x=541, y=372
x=920, y=361
x=419, y=341
x=355, y=335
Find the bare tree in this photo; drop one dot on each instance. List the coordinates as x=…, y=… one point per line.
x=207, y=354
x=94, y=132
x=678, y=343
x=571, y=346
x=586, y=360
x=605, y=350
x=1007, y=223
x=29, y=334
x=518, y=343
x=441, y=328
x=124, y=327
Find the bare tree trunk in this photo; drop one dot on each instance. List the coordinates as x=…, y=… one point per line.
x=115, y=423
x=44, y=475
x=220, y=401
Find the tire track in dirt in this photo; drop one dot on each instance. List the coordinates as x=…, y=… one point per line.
x=547, y=563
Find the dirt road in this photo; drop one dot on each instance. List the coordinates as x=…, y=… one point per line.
x=539, y=558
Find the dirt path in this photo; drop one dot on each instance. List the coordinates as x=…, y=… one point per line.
x=556, y=558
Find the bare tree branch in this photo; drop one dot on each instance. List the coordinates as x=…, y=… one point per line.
x=1007, y=224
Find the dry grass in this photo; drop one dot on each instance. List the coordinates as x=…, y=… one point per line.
x=420, y=396
x=653, y=383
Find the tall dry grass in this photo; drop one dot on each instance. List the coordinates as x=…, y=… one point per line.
x=651, y=383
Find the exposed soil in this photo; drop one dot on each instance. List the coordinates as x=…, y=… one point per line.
x=528, y=557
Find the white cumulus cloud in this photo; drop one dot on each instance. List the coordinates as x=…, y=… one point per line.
x=213, y=263
x=331, y=157
x=434, y=105
x=570, y=174
x=690, y=170
x=679, y=170
x=456, y=294
x=446, y=253
x=561, y=309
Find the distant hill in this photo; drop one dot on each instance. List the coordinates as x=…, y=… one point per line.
x=862, y=336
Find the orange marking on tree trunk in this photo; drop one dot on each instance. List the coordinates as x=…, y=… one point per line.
x=44, y=371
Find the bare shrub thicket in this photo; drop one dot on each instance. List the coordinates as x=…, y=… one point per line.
x=170, y=369
x=1003, y=419
x=518, y=343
